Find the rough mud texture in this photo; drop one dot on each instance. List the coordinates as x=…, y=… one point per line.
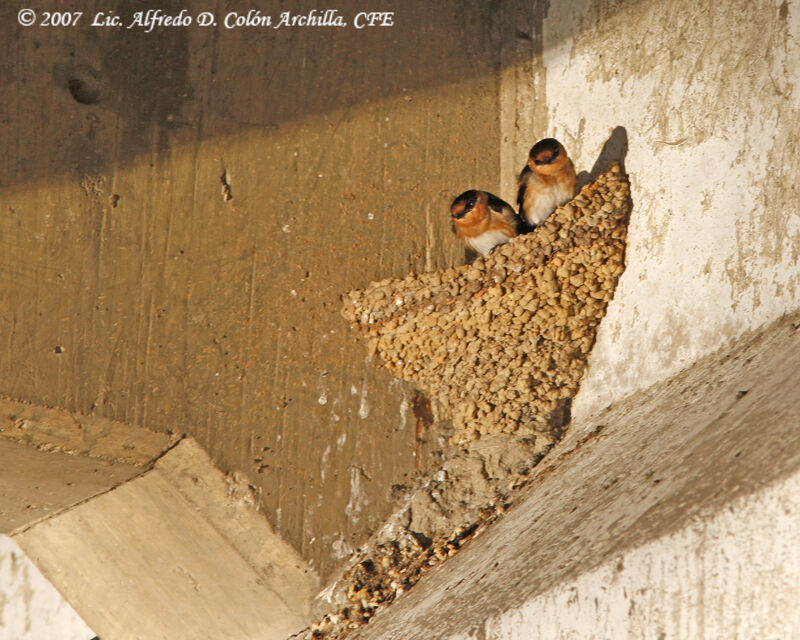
x=503, y=342
x=437, y=516
x=393, y=567
x=475, y=487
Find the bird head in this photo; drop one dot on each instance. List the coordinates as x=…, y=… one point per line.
x=468, y=208
x=547, y=157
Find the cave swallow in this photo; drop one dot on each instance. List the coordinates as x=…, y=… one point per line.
x=483, y=220
x=546, y=182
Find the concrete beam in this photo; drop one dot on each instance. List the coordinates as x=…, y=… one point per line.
x=672, y=514
x=159, y=558
x=230, y=505
x=38, y=484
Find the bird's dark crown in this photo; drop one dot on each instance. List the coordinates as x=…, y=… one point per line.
x=469, y=199
x=545, y=151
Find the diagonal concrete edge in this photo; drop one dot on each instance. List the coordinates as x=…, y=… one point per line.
x=229, y=505
x=716, y=450
x=36, y=484
x=153, y=558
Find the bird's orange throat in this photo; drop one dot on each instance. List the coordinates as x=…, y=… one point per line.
x=479, y=221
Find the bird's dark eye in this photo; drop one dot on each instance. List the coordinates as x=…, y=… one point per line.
x=470, y=204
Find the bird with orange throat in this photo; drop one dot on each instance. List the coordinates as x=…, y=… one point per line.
x=546, y=182
x=483, y=221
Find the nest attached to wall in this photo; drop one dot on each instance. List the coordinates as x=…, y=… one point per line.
x=502, y=343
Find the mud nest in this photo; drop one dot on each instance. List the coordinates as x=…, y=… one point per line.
x=502, y=343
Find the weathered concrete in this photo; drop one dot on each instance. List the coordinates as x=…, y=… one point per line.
x=177, y=232
x=30, y=607
x=160, y=558
x=734, y=575
x=709, y=95
x=88, y=436
x=230, y=505
x=38, y=484
x=674, y=511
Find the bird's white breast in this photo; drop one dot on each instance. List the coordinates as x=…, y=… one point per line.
x=487, y=241
x=541, y=202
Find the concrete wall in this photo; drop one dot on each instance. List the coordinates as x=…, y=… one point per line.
x=671, y=515
x=708, y=96
x=182, y=209
x=178, y=225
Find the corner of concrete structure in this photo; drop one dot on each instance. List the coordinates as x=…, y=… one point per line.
x=59, y=431
x=31, y=607
x=179, y=551
x=231, y=506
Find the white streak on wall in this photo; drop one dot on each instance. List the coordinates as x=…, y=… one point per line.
x=363, y=405
x=358, y=497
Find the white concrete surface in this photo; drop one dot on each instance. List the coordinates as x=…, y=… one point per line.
x=709, y=94
x=735, y=575
x=673, y=515
x=30, y=607
x=177, y=553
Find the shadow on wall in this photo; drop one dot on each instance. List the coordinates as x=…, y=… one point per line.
x=173, y=86
x=177, y=85
x=614, y=150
